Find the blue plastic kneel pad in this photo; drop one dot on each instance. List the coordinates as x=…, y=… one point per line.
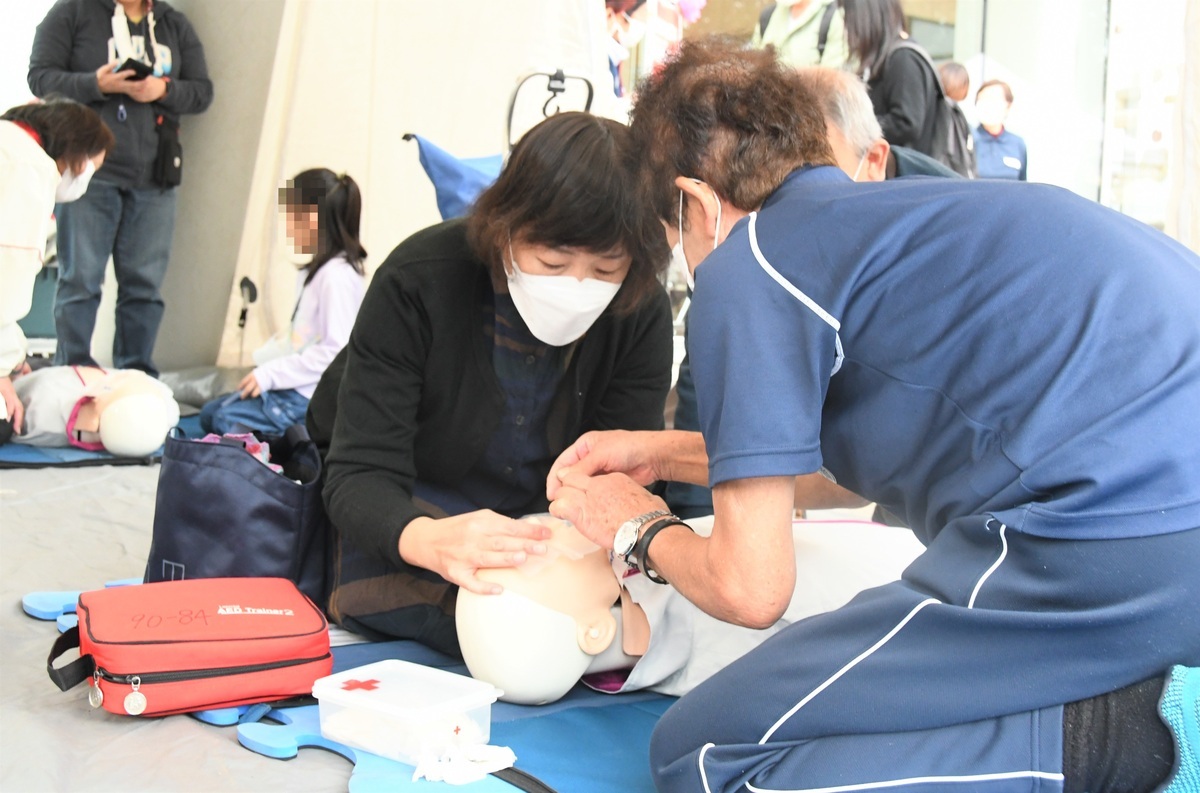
x=301, y=727
x=53, y=605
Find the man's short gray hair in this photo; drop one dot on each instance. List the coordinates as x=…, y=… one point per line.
x=845, y=104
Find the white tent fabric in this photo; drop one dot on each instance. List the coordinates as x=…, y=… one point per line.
x=445, y=71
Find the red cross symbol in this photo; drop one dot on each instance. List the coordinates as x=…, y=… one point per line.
x=457, y=729
x=365, y=685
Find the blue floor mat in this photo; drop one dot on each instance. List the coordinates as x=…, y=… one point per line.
x=586, y=742
x=18, y=455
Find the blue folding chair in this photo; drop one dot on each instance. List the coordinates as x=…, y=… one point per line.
x=457, y=182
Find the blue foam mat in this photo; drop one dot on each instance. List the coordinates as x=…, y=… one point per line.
x=587, y=741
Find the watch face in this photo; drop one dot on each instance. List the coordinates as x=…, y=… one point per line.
x=625, y=538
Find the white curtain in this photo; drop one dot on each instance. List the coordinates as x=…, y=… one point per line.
x=351, y=77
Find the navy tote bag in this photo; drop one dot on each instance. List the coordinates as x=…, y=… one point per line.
x=221, y=513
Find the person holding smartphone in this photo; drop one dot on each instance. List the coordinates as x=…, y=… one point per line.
x=85, y=50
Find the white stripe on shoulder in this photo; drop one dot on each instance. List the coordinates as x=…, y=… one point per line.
x=795, y=292
x=785, y=283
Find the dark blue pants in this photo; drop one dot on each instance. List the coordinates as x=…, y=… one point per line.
x=950, y=680
x=134, y=227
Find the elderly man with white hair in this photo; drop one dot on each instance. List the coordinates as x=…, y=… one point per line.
x=855, y=134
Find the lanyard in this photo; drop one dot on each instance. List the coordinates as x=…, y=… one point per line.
x=122, y=39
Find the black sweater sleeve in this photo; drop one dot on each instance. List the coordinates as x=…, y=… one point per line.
x=903, y=97
x=371, y=466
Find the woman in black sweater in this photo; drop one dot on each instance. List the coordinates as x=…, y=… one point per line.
x=484, y=347
x=901, y=84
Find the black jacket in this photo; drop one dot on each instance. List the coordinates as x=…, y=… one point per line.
x=904, y=94
x=74, y=40
x=414, y=394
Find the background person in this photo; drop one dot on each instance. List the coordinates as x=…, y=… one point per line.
x=1000, y=153
x=129, y=211
x=868, y=332
x=804, y=32
x=483, y=348
x=955, y=80
x=48, y=153
x=902, y=86
x=321, y=211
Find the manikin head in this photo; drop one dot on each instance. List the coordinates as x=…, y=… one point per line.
x=553, y=622
x=126, y=412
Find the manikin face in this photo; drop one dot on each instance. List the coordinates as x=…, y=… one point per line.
x=536, y=639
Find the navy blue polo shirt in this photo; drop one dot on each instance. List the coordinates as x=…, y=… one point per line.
x=1002, y=349
x=1000, y=156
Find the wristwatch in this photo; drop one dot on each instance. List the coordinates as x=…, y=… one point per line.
x=627, y=533
x=639, y=556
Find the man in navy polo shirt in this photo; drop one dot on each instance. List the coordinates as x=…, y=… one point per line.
x=1021, y=386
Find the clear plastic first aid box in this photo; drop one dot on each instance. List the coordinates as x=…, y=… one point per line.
x=404, y=711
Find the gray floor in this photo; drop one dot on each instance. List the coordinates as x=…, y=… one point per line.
x=71, y=529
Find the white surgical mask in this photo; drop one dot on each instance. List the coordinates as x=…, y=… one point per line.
x=632, y=35
x=558, y=308
x=617, y=51
x=71, y=185
x=691, y=279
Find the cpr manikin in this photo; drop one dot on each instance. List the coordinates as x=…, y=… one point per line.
x=126, y=412
x=567, y=615
x=556, y=620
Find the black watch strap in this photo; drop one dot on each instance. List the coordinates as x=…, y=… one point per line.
x=639, y=556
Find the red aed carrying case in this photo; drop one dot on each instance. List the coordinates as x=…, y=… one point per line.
x=196, y=644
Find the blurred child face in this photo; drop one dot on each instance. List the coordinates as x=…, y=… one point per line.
x=301, y=223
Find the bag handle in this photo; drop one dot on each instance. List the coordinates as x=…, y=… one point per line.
x=74, y=673
x=297, y=434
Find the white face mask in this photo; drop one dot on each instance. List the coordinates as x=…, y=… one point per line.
x=991, y=111
x=558, y=308
x=71, y=185
x=861, y=160
x=633, y=33
x=691, y=278
x=617, y=51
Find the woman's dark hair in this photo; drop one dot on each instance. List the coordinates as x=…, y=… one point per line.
x=69, y=130
x=731, y=116
x=872, y=27
x=339, y=208
x=572, y=182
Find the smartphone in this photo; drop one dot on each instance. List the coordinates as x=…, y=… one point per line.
x=140, y=70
